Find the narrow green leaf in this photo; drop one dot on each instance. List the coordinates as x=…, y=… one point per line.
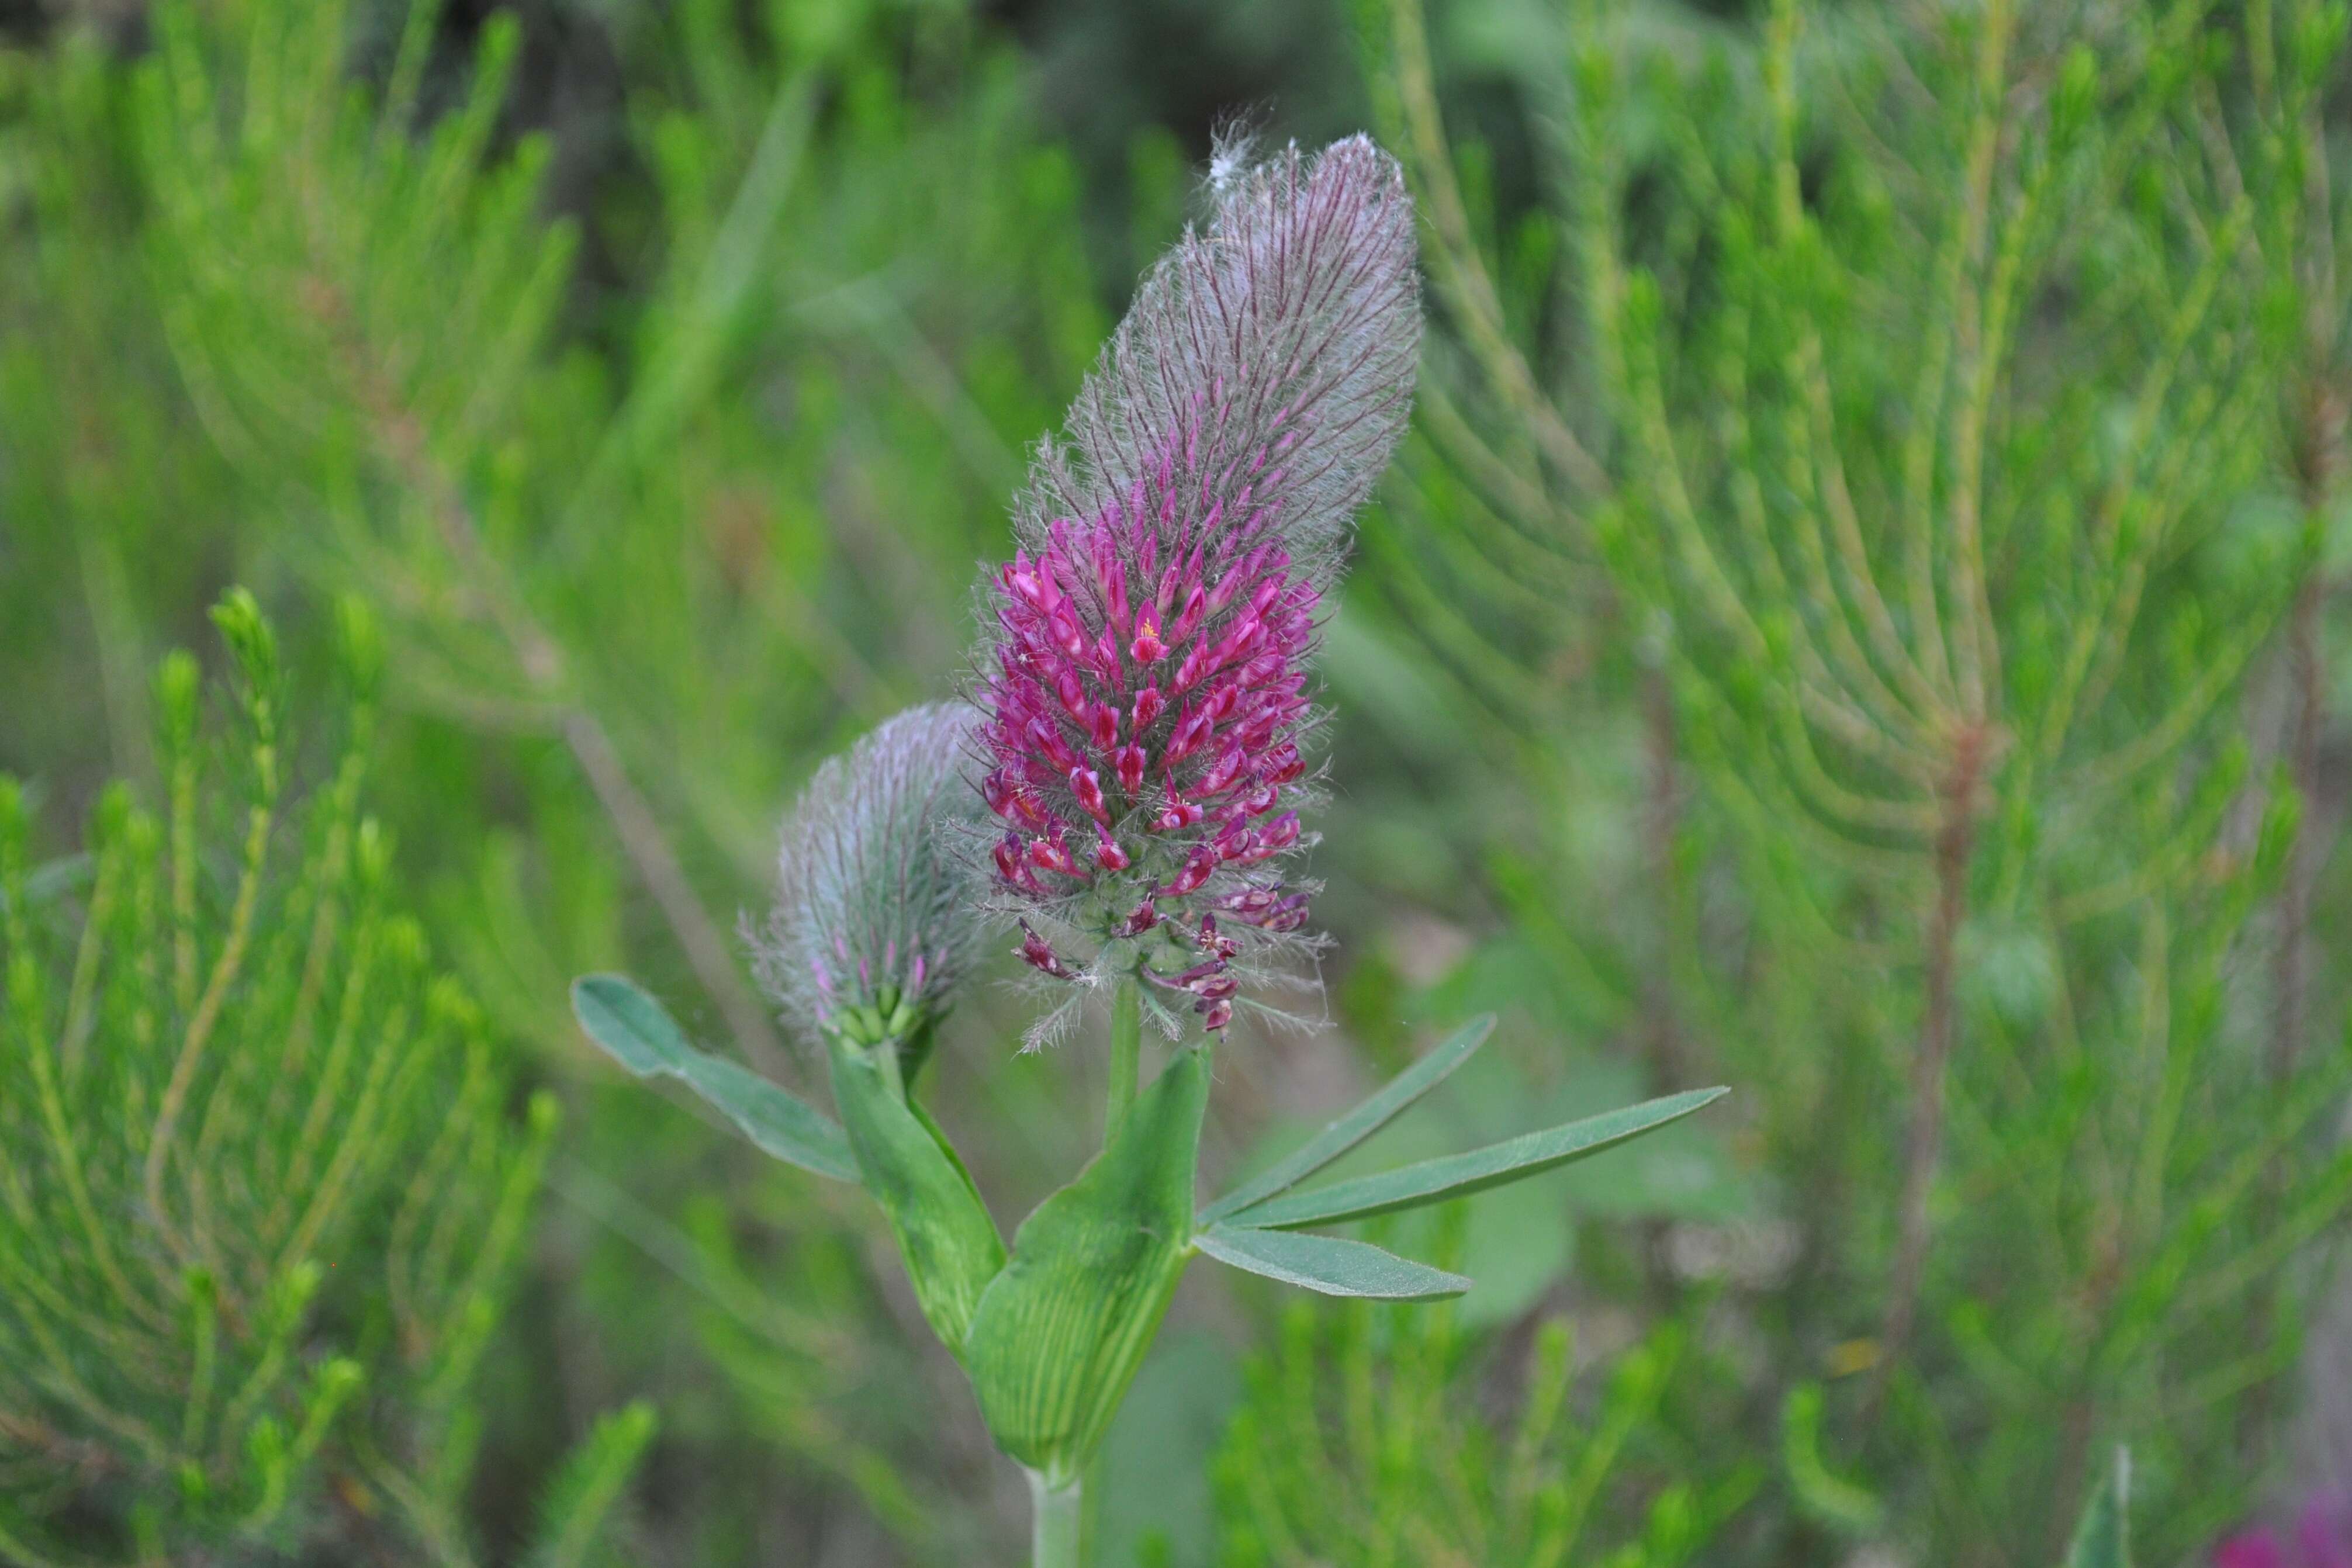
x=1358, y=1124
x=1329, y=1264
x=945, y=1234
x=1061, y=1331
x=2103, y=1536
x=638, y=1032
x=1456, y=1176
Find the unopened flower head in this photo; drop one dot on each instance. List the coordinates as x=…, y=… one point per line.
x=877, y=915
x=1146, y=684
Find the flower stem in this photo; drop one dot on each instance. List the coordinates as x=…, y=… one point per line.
x=1126, y=1049
x=1059, y=1532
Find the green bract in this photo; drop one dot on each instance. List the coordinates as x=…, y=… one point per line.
x=1052, y=1332
x=944, y=1232
x=1063, y=1328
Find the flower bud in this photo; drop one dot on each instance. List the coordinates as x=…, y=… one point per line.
x=876, y=918
x=1038, y=955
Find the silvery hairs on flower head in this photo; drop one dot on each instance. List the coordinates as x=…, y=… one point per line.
x=1146, y=682
x=877, y=912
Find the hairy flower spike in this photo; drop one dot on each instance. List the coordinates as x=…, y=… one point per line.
x=875, y=921
x=1147, y=673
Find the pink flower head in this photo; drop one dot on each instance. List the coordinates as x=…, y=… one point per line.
x=1146, y=686
x=2321, y=1537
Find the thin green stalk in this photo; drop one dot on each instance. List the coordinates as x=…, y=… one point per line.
x=1059, y=1534
x=1125, y=1050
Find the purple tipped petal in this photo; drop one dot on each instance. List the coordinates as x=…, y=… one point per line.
x=1037, y=954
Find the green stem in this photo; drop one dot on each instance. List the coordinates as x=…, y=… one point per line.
x=1126, y=1049
x=1060, y=1524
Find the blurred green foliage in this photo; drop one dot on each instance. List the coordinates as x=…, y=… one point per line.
x=253, y=1064
x=1911, y=391
x=1356, y=1446
x=656, y=374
